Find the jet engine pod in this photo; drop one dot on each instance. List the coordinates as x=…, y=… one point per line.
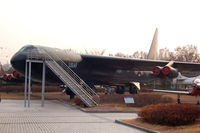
x=10, y=77
x=157, y=70
x=166, y=70
x=15, y=74
x=170, y=71
x=5, y=77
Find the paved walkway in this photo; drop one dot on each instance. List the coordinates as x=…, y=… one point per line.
x=57, y=117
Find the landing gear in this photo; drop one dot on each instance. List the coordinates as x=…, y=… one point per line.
x=120, y=90
x=179, y=99
x=133, y=89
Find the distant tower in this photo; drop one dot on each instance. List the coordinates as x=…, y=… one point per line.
x=153, y=52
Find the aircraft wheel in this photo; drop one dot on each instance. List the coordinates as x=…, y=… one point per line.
x=120, y=90
x=133, y=89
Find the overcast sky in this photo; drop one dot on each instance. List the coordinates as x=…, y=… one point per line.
x=115, y=25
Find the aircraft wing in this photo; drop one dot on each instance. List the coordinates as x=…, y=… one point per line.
x=181, y=79
x=170, y=91
x=136, y=64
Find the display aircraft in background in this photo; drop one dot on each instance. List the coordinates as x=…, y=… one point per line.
x=104, y=70
x=190, y=85
x=185, y=83
x=14, y=77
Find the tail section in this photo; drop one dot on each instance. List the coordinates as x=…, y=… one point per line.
x=153, y=52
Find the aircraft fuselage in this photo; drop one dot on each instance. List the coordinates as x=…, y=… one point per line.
x=88, y=67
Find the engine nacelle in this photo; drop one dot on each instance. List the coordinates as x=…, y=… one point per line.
x=10, y=77
x=157, y=70
x=165, y=71
x=170, y=71
x=15, y=73
x=5, y=77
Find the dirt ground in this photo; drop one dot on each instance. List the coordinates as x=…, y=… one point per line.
x=193, y=128
x=17, y=96
x=116, y=101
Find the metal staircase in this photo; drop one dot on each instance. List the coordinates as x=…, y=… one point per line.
x=69, y=78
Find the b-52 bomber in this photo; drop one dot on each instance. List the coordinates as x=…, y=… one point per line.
x=98, y=70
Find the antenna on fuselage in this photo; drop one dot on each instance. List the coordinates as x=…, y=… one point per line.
x=153, y=51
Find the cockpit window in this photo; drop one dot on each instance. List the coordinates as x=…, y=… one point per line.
x=25, y=48
x=22, y=49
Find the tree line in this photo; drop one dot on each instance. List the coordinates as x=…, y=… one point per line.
x=187, y=53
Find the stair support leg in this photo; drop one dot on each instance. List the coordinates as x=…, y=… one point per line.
x=29, y=83
x=43, y=84
x=25, y=86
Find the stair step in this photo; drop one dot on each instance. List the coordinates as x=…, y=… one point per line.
x=76, y=87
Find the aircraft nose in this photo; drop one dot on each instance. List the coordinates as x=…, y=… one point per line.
x=16, y=58
x=18, y=61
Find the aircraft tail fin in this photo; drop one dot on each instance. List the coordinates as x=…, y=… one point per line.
x=153, y=51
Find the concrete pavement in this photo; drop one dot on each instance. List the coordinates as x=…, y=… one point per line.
x=58, y=117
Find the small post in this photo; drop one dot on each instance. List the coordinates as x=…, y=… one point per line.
x=178, y=99
x=43, y=84
x=25, y=87
x=198, y=100
x=29, y=83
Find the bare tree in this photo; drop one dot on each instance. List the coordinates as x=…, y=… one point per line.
x=96, y=52
x=119, y=54
x=165, y=54
x=139, y=55
x=188, y=53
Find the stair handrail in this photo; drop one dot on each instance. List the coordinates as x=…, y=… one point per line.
x=71, y=73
